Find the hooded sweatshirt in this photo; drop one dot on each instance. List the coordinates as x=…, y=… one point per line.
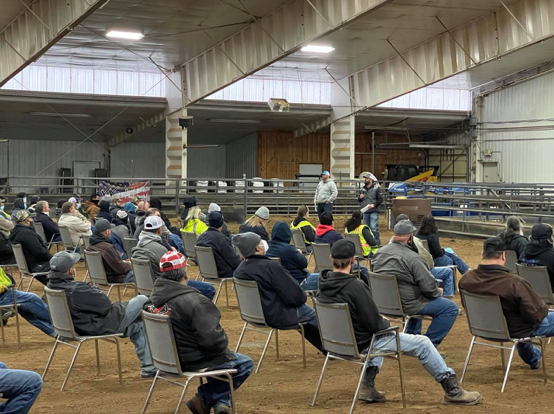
x=536, y=254
x=326, y=234
x=292, y=260
x=104, y=211
x=116, y=269
x=516, y=242
x=150, y=247
x=337, y=287
x=201, y=341
x=18, y=205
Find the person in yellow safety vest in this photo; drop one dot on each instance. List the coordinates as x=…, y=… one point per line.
x=301, y=223
x=192, y=223
x=354, y=225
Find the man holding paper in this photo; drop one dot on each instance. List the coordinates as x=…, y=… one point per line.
x=370, y=199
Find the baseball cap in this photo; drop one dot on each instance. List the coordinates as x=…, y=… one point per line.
x=343, y=249
x=494, y=244
x=171, y=261
x=72, y=200
x=404, y=227
x=22, y=215
x=325, y=172
x=101, y=226
x=153, y=223
x=63, y=261
x=541, y=232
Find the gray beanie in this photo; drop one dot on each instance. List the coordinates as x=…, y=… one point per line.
x=247, y=243
x=213, y=207
x=101, y=226
x=262, y=213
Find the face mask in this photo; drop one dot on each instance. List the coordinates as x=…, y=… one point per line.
x=2, y=208
x=78, y=206
x=25, y=200
x=266, y=246
x=25, y=205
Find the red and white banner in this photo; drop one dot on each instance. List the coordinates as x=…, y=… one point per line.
x=125, y=191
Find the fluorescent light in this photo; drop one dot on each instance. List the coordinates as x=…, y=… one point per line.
x=235, y=121
x=317, y=49
x=59, y=115
x=125, y=35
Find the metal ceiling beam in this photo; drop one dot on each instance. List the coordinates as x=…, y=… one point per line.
x=269, y=39
x=38, y=28
x=141, y=126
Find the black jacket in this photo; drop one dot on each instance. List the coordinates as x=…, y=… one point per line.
x=280, y=294
x=50, y=227
x=155, y=202
x=259, y=230
x=91, y=310
x=336, y=287
x=34, y=249
x=226, y=258
x=434, y=244
x=539, y=255
x=291, y=259
x=201, y=341
x=6, y=252
x=104, y=211
x=516, y=242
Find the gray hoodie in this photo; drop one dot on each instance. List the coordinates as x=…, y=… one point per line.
x=326, y=192
x=150, y=247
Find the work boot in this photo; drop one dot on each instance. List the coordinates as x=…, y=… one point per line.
x=368, y=392
x=196, y=405
x=6, y=315
x=456, y=395
x=221, y=408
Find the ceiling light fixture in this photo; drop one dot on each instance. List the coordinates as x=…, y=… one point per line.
x=60, y=115
x=235, y=121
x=125, y=35
x=317, y=49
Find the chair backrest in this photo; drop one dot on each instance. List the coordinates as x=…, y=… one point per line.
x=485, y=316
x=86, y=241
x=161, y=342
x=275, y=259
x=143, y=276
x=128, y=244
x=206, y=262
x=40, y=231
x=322, y=255
x=336, y=329
x=354, y=238
x=66, y=238
x=425, y=244
x=511, y=261
x=95, y=266
x=20, y=259
x=59, y=313
x=384, y=289
x=298, y=240
x=250, y=303
x=189, y=243
x=538, y=277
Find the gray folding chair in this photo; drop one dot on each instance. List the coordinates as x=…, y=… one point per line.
x=486, y=321
x=23, y=268
x=165, y=358
x=86, y=241
x=97, y=273
x=339, y=340
x=143, y=276
x=65, y=331
x=251, y=312
x=11, y=308
x=355, y=238
x=322, y=256
x=39, y=229
x=128, y=244
x=538, y=278
x=384, y=289
x=511, y=261
x=207, y=269
x=299, y=243
x=189, y=244
x=275, y=259
x=66, y=239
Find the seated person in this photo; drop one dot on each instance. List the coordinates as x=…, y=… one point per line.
x=18, y=205
x=257, y=223
x=189, y=202
x=167, y=236
x=93, y=313
x=526, y=313
x=226, y=259
x=19, y=388
x=131, y=210
x=192, y=222
x=77, y=226
x=91, y=206
x=151, y=247
x=117, y=270
x=292, y=259
x=302, y=223
x=33, y=204
x=325, y=232
x=35, y=250
x=104, y=211
x=417, y=286
x=3, y=214
x=31, y=306
x=156, y=202
x=428, y=231
x=58, y=211
x=120, y=221
x=354, y=225
x=200, y=339
x=214, y=207
x=283, y=301
x=339, y=286
x=6, y=252
x=539, y=251
x=115, y=205
x=51, y=230
x=513, y=236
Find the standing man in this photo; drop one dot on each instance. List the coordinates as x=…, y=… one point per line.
x=325, y=194
x=370, y=197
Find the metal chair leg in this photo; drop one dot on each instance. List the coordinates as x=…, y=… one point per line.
x=231, y=392
x=185, y=386
x=150, y=393
x=543, y=360
x=118, y=360
x=399, y=359
x=216, y=297
x=50, y=358
x=320, y=381
x=508, y=367
x=30, y=283
x=71, y=365
x=241, y=336
x=362, y=375
x=119, y=293
x=467, y=359
x=277, y=343
x=264, y=351
x=97, y=357
x=503, y=356
x=303, y=345
x=226, y=293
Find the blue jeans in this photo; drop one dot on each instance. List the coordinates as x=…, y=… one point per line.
x=321, y=207
x=443, y=311
x=31, y=307
x=214, y=392
x=372, y=220
x=131, y=326
x=449, y=259
x=418, y=346
x=175, y=241
x=130, y=277
x=445, y=274
x=527, y=352
x=311, y=282
x=205, y=288
x=20, y=388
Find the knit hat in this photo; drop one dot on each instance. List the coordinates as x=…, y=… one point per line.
x=21, y=216
x=171, y=261
x=122, y=214
x=246, y=243
x=215, y=219
x=263, y=213
x=101, y=226
x=153, y=223
x=63, y=261
x=21, y=195
x=213, y=207
x=189, y=202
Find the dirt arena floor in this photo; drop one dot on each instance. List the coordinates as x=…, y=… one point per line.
x=281, y=386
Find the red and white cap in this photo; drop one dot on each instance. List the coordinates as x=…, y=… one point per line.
x=171, y=261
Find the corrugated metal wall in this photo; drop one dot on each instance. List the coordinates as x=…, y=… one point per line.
x=242, y=157
x=206, y=162
x=138, y=159
x=523, y=155
x=433, y=98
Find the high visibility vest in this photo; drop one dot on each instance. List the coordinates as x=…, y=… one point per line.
x=195, y=226
x=6, y=215
x=303, y=223
x=366, y=248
